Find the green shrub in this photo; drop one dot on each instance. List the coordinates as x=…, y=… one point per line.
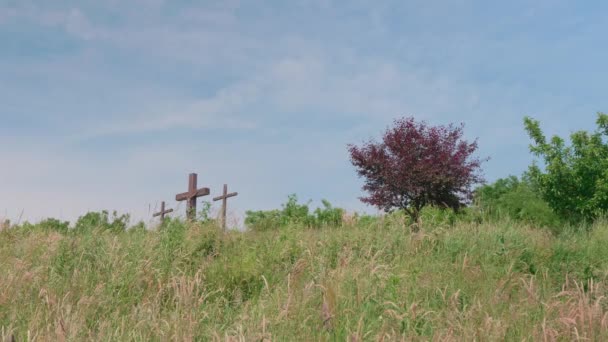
x=52, y=224
x=204, y=214
x=434, y=216
x=294, y=213
x=47, y=225
x=263, y=220
x=102, y=220
x=515, y=199
x=328, y=215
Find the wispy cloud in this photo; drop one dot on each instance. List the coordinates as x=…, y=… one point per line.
x=195, y=116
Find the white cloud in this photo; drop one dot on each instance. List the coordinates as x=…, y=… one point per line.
x=296, y=85
x=198, y=115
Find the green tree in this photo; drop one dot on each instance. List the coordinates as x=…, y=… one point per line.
x=574, y=180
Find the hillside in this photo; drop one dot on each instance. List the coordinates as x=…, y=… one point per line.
x=361, y=281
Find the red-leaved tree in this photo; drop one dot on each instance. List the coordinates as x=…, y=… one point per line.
x=417, y=165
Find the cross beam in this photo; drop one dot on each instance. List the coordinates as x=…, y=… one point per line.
x=162, y=212
x=224, y=199
x=191, y=195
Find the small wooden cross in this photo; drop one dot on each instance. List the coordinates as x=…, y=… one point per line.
x=224, y=199
x=191, y=196
x=162, y=212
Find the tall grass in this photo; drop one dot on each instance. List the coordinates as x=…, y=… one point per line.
x=366, y=280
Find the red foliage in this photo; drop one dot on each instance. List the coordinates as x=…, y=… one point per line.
x=417, y=165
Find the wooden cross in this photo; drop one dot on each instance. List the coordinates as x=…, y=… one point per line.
x=162, y=212
x=224, y=199
x=191, y=196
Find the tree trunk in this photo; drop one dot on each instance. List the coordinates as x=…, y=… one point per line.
x=416, y=223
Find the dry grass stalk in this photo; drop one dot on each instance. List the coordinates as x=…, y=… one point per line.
x=580, y=312
x=328, y=309
x=5, y=224
x=349, y=219
x=284, y=312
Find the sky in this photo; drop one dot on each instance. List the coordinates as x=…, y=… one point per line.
x=111, y=104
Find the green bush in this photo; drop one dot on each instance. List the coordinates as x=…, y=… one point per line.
x=294, y=213
x=52, y=224
x=433, y=217
x=263, y=220
x=102, y=220
x=515, y=199
x=47, y=225
x=204, y=214
x=328, y=215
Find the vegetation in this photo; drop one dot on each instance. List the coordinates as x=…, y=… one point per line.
x=294, y=213
x=574, y=181
x=516, y=199
x=102, y=220
x=359, y=281
x=417, y=165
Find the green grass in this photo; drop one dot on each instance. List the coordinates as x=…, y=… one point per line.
x=357, y=282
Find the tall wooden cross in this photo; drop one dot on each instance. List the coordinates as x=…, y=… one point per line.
x=162, y=212
x=191, y=196
x=224, y=199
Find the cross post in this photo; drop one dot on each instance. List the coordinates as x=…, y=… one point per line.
x=191, y=196
x=162, y=212
x=224, y=199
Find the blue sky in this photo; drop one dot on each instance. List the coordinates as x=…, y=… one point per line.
x=110, y=104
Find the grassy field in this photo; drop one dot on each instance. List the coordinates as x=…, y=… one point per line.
x=358, y=282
